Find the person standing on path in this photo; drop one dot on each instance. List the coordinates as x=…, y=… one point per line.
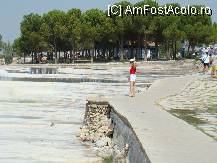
x=206, y=63
x=132, y=77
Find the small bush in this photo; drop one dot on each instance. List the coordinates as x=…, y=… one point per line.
x=8, y=58
x=67, y=61
x=51, y=61
x=108, y=159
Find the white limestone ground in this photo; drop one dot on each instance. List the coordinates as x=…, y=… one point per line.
x=197, y=104
x=150, y=71
x=38, y=121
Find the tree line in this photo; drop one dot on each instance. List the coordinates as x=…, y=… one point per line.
x=95, y=35
x=6, y=51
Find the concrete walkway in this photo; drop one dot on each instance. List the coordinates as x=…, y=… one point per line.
x=165, y=138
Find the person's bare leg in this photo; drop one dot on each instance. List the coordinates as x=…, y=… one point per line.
x=134, y=88
x=131, y=89
x=206, y=69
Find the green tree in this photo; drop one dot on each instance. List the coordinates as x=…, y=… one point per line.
x=144, y=24
x=18, y=47
x=93, y=31
x=107, y=36
x=173, y=34
x=1, y=42
x=31, y=39
x=122, y=25
x=54, y=30
x=8, y=53
x=211, y=37
x=167, y=31
x=73, y=30
x=92, y=27
x=197, y=29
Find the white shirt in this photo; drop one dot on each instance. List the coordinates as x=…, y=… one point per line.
x=206, y=59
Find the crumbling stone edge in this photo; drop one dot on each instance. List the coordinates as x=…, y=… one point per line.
x=111, y=134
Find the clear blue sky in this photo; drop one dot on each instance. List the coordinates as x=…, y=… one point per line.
x=12, y=11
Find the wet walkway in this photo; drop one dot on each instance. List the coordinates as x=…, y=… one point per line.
x=197, y=105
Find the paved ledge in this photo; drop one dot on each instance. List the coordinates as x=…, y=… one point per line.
x=165, y=138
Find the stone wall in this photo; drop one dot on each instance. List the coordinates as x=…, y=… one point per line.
x=111, y=134
x=124, y=134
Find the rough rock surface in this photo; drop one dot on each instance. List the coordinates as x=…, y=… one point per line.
x=98, y=129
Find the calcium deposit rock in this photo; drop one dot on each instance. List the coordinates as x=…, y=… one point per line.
x=98, y=128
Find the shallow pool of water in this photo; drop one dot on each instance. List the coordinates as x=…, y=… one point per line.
x=39, y=121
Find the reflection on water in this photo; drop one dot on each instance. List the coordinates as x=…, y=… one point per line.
x=43, y=71
x=33, y=70
x=3, y=73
